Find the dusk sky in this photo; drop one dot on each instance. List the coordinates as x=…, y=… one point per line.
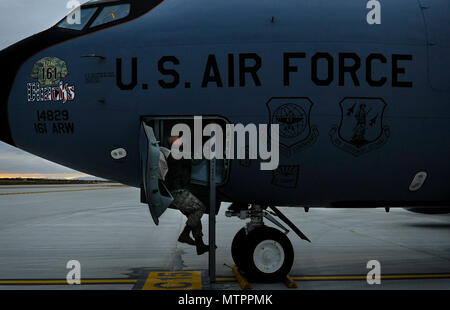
x=18, y=20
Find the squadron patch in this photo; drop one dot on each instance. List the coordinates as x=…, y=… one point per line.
x=361, y=129
x=49, y=73
x=293, y=117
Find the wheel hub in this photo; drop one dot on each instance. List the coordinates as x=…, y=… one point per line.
x=268, y=256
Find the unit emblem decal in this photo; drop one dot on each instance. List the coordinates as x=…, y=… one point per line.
x=49, y=73
x=293, y=117
x=361, y=129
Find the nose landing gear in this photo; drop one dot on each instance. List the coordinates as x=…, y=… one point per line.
x=262, y=253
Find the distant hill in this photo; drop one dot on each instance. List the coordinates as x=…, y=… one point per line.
x=88, y=178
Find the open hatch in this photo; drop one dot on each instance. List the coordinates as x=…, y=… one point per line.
x=155, y=132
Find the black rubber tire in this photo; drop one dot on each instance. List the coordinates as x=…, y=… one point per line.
x=255, y=237
x=238, y=247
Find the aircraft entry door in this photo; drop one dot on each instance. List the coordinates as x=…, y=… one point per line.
x=154, y=191
x=154, y=134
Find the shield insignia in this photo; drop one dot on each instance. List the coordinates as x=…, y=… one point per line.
x=292, y=114
x=361, y=128
x=49, y=71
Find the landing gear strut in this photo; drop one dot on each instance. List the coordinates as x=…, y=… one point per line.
x=263, y=253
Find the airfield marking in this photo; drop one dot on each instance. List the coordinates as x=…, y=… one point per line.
x=225, y=279
x=62, y=191
x=64, y=282
x=178, y=280
x=192, y=280
x=364, y=277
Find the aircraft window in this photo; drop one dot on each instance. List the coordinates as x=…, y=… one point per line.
x=85, y=16
x=111, y=13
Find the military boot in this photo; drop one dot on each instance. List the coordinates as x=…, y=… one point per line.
x=201, y=247
x=198, y=236
x=185, y=237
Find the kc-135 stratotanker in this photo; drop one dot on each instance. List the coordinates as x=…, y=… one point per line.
x=362, y=109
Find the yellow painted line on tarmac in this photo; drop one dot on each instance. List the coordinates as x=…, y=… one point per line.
x=124, y=281
x=225, y=279
x=354, y=277
x=312, y=278
x=192, y=280
x=64, y=282
x=364, y=277
x=177, y=280
x=417, y=276
x=62, y=191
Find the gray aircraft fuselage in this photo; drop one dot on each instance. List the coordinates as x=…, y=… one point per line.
x=361, y=108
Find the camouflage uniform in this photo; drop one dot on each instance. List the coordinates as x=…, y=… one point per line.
x=192, y=208
x=178, y=180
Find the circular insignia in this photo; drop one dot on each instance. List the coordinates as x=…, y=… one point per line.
x=291, y=118
x=49, y=71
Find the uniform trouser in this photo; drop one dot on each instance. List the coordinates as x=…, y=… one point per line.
x=192, y=208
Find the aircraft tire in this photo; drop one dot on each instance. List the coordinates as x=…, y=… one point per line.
x=238, y=249
x=269, y=255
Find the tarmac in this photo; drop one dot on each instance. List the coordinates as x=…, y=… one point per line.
x=111, y=234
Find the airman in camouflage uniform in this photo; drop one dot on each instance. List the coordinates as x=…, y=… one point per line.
x=177, y=180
